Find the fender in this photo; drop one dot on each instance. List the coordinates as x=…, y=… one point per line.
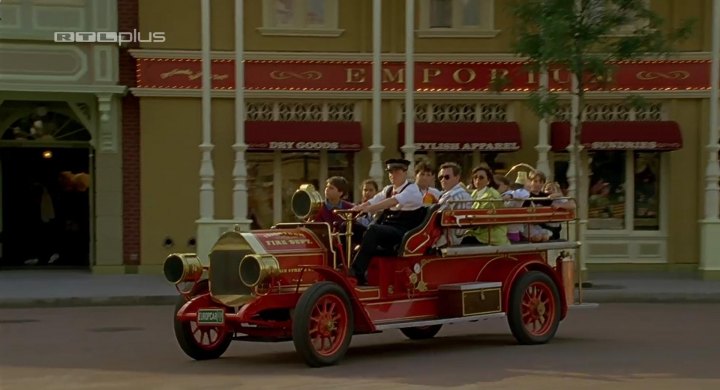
x=363, y=324
x=537, y=265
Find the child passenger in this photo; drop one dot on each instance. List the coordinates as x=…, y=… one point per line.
x=514, y=196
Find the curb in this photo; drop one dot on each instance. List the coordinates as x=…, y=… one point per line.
x=164, y=300
x=17, y=303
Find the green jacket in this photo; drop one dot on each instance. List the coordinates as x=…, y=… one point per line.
x=489, y=234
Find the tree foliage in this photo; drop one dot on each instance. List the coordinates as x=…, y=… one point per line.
x=586, y=37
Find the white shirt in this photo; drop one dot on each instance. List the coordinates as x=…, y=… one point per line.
x=453, y=236
x=409, y=199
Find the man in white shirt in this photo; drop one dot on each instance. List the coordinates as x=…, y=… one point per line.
x=453, y=195
x=402, y=209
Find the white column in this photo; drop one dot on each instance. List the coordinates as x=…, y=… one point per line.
x=543, y=146
x=376, y=168
x=277, y=187
x=207, y=173
x=409, y=147
x=576, y=183
x=323, y=170
x=710, y=225
x=712, y=171
x=240, y=191
x=207, y=232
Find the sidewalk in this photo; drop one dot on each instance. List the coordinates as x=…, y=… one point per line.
x=55, y=288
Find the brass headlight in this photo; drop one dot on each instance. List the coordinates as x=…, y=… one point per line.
x=182, y=267
x=256, y=268
x=306, y=201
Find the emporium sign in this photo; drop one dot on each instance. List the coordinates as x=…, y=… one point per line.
x=439, y=76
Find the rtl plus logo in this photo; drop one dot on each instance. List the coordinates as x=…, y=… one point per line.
x=120, y=38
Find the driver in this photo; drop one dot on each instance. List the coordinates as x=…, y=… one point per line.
x=402, y=209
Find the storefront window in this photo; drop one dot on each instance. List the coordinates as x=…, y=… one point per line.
x=297, y=169
x=606, y=203
x=647, y=190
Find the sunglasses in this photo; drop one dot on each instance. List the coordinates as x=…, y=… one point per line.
x=444, y=177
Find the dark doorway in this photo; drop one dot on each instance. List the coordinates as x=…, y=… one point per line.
x=45, y=206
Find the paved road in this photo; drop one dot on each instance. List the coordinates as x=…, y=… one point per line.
x=617, y=346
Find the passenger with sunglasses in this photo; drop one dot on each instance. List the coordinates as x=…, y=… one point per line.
x=452, y=198
x=486, y=196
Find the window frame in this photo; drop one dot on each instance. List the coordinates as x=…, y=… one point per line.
x=299, y=27
x=486, y=29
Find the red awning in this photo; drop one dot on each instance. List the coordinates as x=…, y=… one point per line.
x=302, y=136
x=620, y=135
x=464, y=136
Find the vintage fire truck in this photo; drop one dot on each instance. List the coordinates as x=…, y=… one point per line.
x=290, y=283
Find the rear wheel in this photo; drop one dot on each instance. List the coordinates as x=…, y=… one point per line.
x=201, y=342
x=421, y=332
x=534, y=309
x=322, y=324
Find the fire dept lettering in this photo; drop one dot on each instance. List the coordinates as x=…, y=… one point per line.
x=467, y=146
x=297, y=241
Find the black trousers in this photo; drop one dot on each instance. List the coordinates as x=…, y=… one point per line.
x=377, y=235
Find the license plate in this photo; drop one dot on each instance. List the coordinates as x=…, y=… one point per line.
x=211, y=316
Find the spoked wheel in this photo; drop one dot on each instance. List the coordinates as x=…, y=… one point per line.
x=322, y=324
x=534, y=310
x=201, y=342
x=421, y=332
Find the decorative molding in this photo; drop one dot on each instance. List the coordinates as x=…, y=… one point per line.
x=107, y=128
x=104, y=15
x=20, y=54
x=354, y=95
x=105, y=63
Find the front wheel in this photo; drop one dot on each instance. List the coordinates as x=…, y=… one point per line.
x=322, y=324
x=201, y=342
x=534, y=308
x=421, y=332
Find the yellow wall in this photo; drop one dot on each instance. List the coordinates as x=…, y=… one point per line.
x=169, y=181
x=179, y=19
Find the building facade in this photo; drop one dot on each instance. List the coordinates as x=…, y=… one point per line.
x=61, y=144
x=245, y=100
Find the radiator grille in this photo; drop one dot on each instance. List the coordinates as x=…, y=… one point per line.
x=224, y=275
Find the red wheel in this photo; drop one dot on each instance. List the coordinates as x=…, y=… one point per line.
x=322, y=324
x=534, y=311
x=201, y=342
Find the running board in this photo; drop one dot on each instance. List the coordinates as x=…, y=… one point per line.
x=512, y=248
x=439, y=321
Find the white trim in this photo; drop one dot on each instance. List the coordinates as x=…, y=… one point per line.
x=393, y=95
x=456, y=33
x=326, y=56
x=301, y=32
x=62, y=88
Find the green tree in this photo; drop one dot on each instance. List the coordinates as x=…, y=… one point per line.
x=585, y=37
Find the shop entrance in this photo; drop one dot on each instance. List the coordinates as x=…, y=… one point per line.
x=45, y=192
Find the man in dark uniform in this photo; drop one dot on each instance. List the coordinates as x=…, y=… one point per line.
x=402, y=209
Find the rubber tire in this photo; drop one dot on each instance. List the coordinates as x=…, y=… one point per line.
x=301, y=324
x=421, y=332
x=187, y=343
x=514, y=312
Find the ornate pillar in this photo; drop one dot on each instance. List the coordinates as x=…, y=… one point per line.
x=207, y=233
x=543, y=146
x=409, y=147
x=710, y=225
x=106, y=232
x=240, y=190
x=376, y=149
